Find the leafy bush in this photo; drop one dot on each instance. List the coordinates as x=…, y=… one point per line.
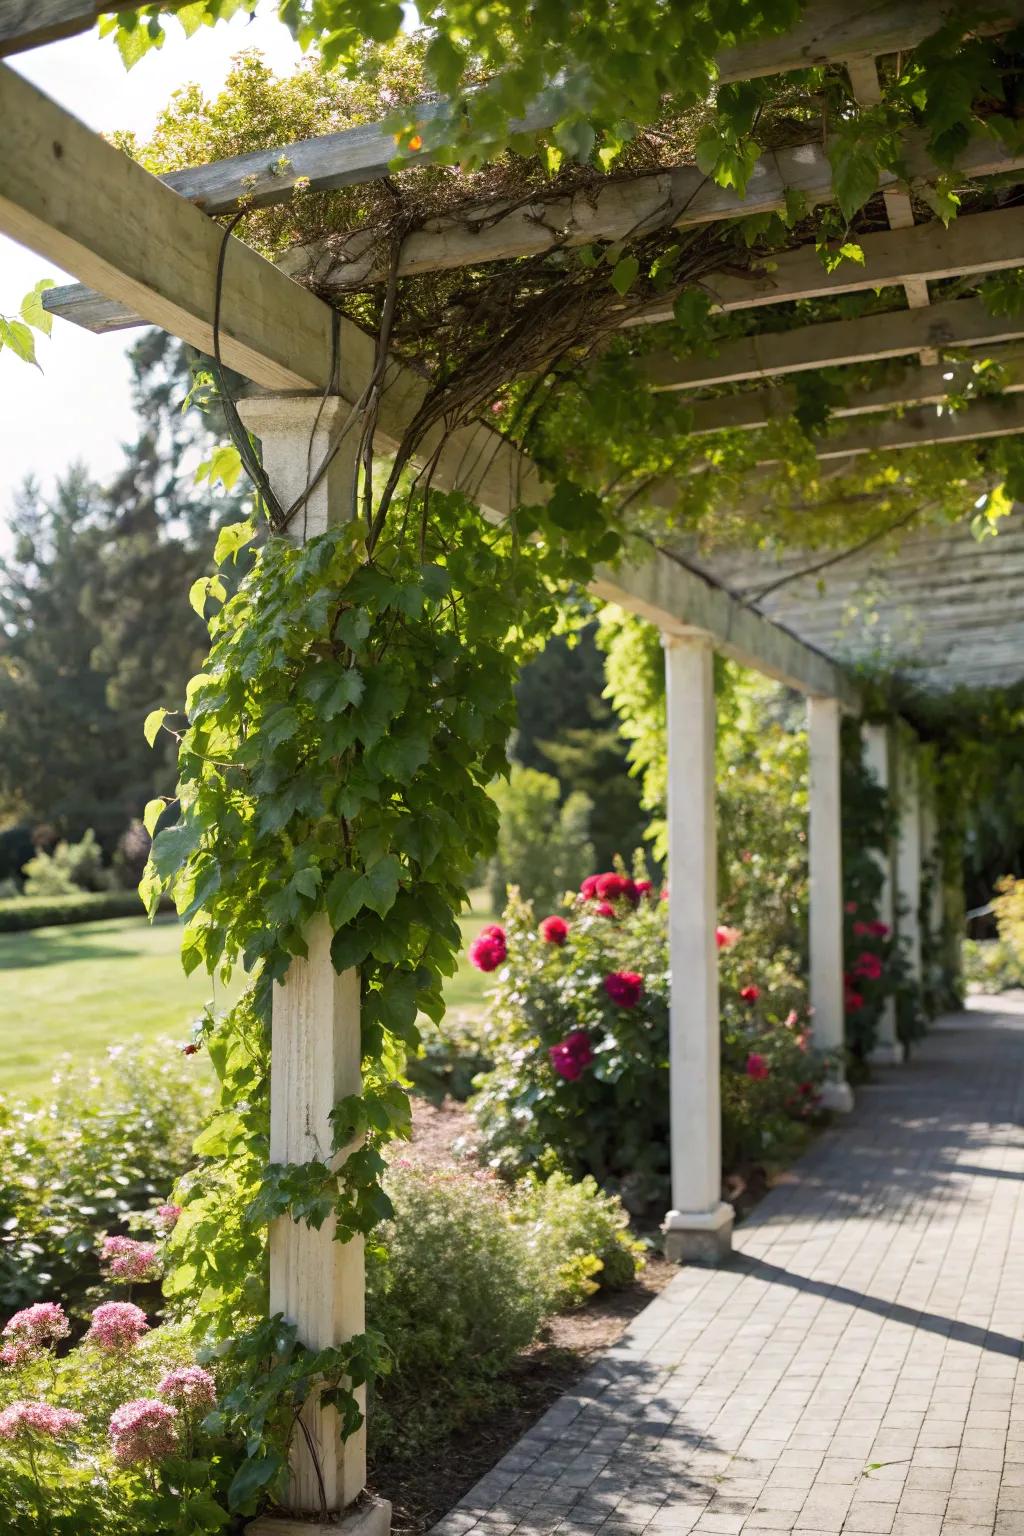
x=110, y=1437
x=455, y=1291
x=21, y=913
x=580, y=1238
x=579, y=1035
x=69, y=868
x=102, y=1147
x=990, y=965
x=542, y=844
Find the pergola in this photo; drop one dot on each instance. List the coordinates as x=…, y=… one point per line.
x=146, y=251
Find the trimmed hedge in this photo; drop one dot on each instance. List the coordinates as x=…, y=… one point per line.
x=22, y=912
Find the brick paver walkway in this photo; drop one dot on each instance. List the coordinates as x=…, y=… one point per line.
x=856, y=1368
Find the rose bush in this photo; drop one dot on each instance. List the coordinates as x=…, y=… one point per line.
x=578, y=1033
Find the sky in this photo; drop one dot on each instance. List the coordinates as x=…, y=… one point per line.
x=78, y=407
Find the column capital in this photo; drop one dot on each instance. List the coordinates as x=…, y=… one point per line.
x=672, y=639
x=291, y=413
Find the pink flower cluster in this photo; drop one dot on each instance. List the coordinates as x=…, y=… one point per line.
x=489, y=949
x=143, y=1430
x=726, y=937
x=167, y=1217
x=609, y=887
x=571, y=1055
x=625, y=988
x=127, y=1259
x=37, y=1419
x=868, y=965
x=757, y=1067
x=189, y=1386
x=117, y=1325
x=31, y=1330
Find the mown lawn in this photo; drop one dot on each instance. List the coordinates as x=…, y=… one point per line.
x=82, y=988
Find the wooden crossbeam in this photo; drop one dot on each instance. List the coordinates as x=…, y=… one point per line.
x=29, y=23
x=915, y=385
x=972, y=244
x=958, y=323
x=921, y=428
x=78, y=201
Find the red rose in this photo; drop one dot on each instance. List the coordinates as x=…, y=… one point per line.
x=878, y=929
x=854, y=1000
x=625, y=988
x=726, y=937
x=757, y=1067
x=604, y=909
x=571, y=1055
x=643, y=887
x=805, y=1090
x=554, y=930
x=588, y=889
x=851, y=907
x=489, y=949
x=867, y=965
x=860, y=930
x=750, y=994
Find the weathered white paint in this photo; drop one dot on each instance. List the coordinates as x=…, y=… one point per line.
x=908, y=857
x=826, y=892
x=699, y=1225
x=317, y=1283
x=888, y=1050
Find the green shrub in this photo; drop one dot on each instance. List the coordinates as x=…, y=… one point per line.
x=69, y=868
x=71, y=1482
x=542, y=844
x=21, y=913
x=454, y=1288
x=580, y=1238
x=990, y=965
x=105, y=1145
x=580, y=1080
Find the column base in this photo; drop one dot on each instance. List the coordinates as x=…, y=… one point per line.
x=372, y=1517
x=887, y=1053
x=836, y=1096
x=699, y=1237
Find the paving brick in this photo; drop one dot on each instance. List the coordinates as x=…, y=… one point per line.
x=872, y=1313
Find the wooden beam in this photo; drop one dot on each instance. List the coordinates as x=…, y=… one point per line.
x=973, y=243
x=958, y=323
x=915, y=385
x=679, y=600
x=922, y=428
x=29, y=23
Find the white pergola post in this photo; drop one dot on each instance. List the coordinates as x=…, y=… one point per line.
x=934, y=913
x=826, y=894
x=315, y=1282
x=908, y=856
x=698, y=1228
x=888, y=1049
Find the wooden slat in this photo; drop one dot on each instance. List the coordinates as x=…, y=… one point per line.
x=930, y=385
x=29, y=23
x=921, y=428
x=958, y=323
x=974, y=243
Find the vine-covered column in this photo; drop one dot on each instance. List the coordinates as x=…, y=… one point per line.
x=878, y=755
x=826, y=894
x=908, y=856
x=698, y=1228
x=316, y=1283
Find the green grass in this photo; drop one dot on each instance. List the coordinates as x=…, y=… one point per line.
x=82, y=988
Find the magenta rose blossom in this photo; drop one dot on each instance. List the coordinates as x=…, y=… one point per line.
x=143, y=1431
x=571, y=1055
x=489, y=949
x=757, y=1067
x=726, y=937
x=625, y=988
x=554, y=930
x=868, y=966
x=750, y=994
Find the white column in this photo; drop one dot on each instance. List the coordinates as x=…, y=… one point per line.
x=315, y=1282
x=931, y=862
x=826, y=895
x=888, y=1049
x=698, y=1228
x=908, y=856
